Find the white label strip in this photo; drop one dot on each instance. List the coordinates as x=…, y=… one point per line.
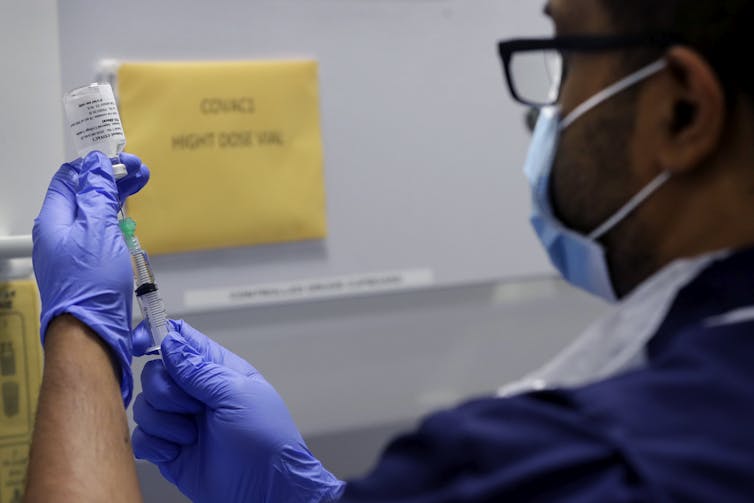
x=310, y=289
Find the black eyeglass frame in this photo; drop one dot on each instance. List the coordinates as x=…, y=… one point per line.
x=578, y=43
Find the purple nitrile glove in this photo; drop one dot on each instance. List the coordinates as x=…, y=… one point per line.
x=218, y=430
x=81, y=263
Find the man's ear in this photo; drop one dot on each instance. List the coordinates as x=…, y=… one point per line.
x=695, y=117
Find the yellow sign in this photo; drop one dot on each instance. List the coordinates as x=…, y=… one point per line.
x=235, y=151
x=20, y=378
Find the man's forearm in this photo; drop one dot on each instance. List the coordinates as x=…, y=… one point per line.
x=81, y=450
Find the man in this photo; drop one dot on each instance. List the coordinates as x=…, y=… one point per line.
x=642, y=183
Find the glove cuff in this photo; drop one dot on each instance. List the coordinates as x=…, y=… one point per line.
x=334, y=492
x=305, y=479
x=118, y=342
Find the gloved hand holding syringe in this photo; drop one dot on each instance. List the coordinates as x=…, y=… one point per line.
x=93, y=118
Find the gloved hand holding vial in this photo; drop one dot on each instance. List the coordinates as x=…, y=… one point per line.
x=93, y=118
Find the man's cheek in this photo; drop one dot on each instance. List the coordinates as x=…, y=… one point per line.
x=573, y=193
x=558, y=186
x=562, y=190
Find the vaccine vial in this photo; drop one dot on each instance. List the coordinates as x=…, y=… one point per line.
x=93, y=119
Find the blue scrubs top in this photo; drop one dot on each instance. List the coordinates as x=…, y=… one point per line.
x=679, y=429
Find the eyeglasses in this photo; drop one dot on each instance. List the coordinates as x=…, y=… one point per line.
x=535, y=68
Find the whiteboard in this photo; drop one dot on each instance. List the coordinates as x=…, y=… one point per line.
x=423, y=145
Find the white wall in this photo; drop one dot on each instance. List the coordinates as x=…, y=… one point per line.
x=343, y=366
x=31, y=124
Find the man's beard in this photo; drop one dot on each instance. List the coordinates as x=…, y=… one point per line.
x=592, y=177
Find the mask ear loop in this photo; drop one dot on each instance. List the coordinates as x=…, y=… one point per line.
x=611, y=91
x=634, y=203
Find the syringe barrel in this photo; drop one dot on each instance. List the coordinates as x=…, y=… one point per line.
x=153, y=310
x=142, y=268
x=150, y=302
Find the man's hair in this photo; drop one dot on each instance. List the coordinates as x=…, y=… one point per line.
x=720, y=30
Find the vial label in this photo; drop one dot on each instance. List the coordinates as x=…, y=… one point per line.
x=93, y=118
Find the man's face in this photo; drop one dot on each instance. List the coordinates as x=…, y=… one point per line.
x=592, y=176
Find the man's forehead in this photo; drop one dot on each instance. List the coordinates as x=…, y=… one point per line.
x=578, y=16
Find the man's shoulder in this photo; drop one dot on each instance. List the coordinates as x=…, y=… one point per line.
x=533, y=447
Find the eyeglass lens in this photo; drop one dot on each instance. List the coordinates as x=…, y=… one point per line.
x=536, y=76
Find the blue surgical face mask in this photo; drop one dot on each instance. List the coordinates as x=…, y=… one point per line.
x=579, y=258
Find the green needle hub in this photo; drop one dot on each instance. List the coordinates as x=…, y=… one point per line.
x=128, y=227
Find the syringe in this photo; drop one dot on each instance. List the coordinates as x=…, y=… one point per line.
x=151, y=304
x=94, y=121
